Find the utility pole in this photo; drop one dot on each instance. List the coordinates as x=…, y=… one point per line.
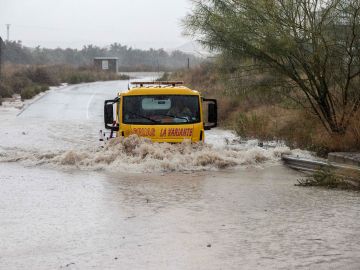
x=1, y=51
x=8, y=31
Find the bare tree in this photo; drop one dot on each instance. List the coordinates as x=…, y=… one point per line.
x=313, y=43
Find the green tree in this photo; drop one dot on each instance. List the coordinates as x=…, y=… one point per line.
x=314, y=44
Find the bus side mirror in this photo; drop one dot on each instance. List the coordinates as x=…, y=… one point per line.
x=212, y=114
x=109, y=114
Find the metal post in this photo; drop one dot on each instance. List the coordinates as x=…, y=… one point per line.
x=1, y=51
x=188, y=63
x=8, y=31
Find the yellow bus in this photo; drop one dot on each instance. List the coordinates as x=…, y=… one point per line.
x=161, y=111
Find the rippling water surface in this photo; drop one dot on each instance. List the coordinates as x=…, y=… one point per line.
x=68, y=203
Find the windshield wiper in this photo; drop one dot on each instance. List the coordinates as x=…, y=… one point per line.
x=175, y=116
x=142, y=116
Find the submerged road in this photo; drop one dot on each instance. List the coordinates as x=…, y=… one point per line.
x=63, y=207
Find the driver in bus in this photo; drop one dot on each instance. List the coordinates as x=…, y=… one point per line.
x=180, y=109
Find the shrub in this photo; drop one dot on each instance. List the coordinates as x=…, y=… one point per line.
x=74, y=79
x=18, y=82
x=32, y=90
x=253, y=125
x=27, y=92
x=5, y=90
x=41, y=75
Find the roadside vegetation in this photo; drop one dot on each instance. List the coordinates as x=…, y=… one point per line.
x=330, y=178
x=256, y=110
x=284, y=70
x=28, y=81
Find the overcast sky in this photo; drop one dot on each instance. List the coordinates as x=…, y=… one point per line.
x=74, y=23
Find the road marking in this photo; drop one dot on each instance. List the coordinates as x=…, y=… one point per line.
x=88, y=105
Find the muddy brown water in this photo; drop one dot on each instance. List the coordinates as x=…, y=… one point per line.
x=133, y=214
x=234, y=219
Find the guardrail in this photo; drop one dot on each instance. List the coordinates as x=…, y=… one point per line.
x=311, y=165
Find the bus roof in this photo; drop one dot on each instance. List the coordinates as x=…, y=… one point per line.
x=168, y=90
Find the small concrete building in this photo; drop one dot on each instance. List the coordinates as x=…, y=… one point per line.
x=109, y=64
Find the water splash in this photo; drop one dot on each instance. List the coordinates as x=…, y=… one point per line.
x=138, y=154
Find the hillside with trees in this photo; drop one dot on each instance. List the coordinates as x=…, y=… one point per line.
x=129, y=59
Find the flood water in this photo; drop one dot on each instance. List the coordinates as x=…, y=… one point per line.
x=67, y=203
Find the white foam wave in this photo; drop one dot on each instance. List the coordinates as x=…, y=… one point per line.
x=137, y=154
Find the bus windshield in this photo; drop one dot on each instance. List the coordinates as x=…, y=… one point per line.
x=161, y=109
